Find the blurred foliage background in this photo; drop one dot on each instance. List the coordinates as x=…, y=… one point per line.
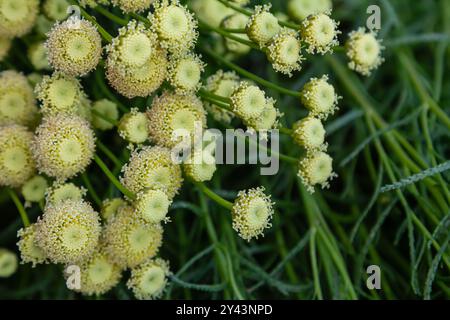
x=319, y=246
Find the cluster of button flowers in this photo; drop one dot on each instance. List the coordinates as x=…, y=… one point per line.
x=48, y=124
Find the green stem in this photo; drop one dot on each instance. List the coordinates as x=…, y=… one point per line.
x=109, y=154
x=22, y=212
x=214, y=196
x=112, y=178
x=252, y=76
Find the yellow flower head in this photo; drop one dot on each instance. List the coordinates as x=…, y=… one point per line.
x=152, y=206
x=56, y=9
x=301, y=9
x=133, y=126
x=60, y=192
x=132, y=6
x=130, y=240
x=248, y=101
x=8, y=263
x=284, y=52
x=309, y=133
x=149, y=279
x=320, y=33
x=236, y=21
x=152, y=168
x=34, y=189
x=110, y=207
x=74, y=46
x=17, y=17
x=316, y=169
x=106, y=108
x=98, y=273
x=252, y=212
x=17, y=101
x=136, y=64
x=68, y=232
x=170, y=113
x=364, y=51
x=319, y=97
x=63, y=146
x=30, y=252
x=174, y=25
x=185, y=73
x=16, y=161
x=262, y=26
x=60, y=93
x=222, y=84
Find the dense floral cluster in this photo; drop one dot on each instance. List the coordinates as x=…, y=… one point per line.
x=161, y=95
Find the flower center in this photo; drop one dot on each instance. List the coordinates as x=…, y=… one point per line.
x=70, y=150
x=153, y=280
x=15, y=159
x=78, y=47
x=174, y=23
x=62, y=93
x=99, y=271
x=136, y=49
x=74, y=237
x=14, y=10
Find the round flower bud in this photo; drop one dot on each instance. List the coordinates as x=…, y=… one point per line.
x=5, y=45
x=236, y=21
x=136, y=64
x=29, y=250
x=248, y=101
x=8, y=263
x=133, y=126
x=152, y=168
x=56, y=9
x=37, y=54
x=172, y=116
x=200, y=166
x=222, y=84
x=59, y=94
x=106, y=108
x=130, y=240
x=149, y=279
x=309, y=133
x=43, y=25
x=17, y=101
x=316, y=169
x=132, y=6
x=63, y=146
x=364, y=51
x=262, y=26
x=152, y=206
x=184, y=73
x=110, y=207
x=17, y=17
x=252, y=212
x=85, y=109
x=320, y=33
x=34, y=189
x=16, y=161
x=174, y=25
x=267, y=120
x=210, y=11
x=63, y=192
x=68, y=232
x=284, y=52
x=98, y=274
x=319, y=97
x=301, y=9
x=74, y=46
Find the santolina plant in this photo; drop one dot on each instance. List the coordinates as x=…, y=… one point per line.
x=106, y=150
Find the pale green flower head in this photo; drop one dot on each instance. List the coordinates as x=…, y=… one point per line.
x=284, y=52
x=134, y=127
x=301, y=9
x=30, y=252
x=17, y=17
x=8, y=263
x=56, y=9
x=262, y=25
x=106, y=108
x=319, y=97
x=152, y=206
x=320, y=32
x=364, y=51
x=184, y=73
x=316, y=169
x=60, y=192
x=309, y=133
x=37, y=54
x=34, y=189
